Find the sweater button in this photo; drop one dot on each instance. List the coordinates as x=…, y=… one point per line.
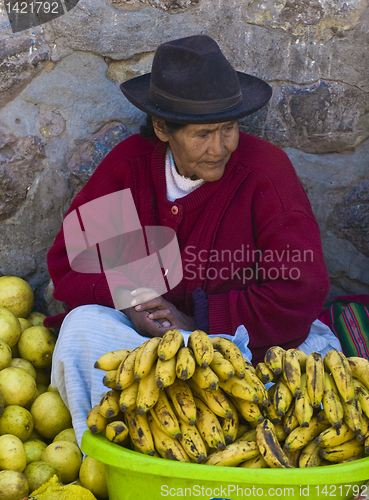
x=174, y=210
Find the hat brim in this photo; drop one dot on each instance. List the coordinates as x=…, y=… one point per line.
x=255, y=94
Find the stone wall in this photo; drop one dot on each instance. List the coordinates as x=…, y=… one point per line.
x=62, y=111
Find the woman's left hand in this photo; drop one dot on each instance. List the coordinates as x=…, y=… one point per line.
x=165, y=312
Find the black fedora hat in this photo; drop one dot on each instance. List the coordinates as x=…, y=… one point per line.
x=191, y=81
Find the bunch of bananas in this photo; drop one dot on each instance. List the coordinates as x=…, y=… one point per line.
x=319, y=407
x=205, y=403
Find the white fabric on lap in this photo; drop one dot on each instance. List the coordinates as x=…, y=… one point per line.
x=87, y=333
x=320, y=339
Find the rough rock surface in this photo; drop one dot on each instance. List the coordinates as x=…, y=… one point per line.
x=21, y=59
x=61, y=111
x=52, y=123
x=324, y=117
x=166, y=5
x=90, y=154
x=20, y=160
x=350, y=219
x=323, y=20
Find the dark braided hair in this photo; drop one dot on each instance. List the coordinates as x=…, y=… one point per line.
x=147, y=130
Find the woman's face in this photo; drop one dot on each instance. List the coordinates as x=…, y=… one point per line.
x=201, y=151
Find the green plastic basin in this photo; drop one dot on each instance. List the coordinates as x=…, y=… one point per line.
x=134, y=476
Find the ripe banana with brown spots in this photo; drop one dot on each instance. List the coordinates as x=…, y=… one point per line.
x=231, y=352
x=315, y=378
x=202, y=348
x=337, y=364
x=269, y=446
x=169, y=344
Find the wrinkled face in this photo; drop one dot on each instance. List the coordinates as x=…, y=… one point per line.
x=201, y=151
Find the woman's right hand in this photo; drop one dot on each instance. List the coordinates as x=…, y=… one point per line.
x=143, y=324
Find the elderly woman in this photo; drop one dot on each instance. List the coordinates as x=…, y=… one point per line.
x=252, y=262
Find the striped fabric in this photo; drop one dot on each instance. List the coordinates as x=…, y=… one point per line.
x=349, y=320
x=352, y=328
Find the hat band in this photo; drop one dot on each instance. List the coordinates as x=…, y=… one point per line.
x=173, y=103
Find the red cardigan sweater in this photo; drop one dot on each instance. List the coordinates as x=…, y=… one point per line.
x=249, y=241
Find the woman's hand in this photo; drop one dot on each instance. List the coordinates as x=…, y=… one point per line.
x=151, y=309
x=143, y=324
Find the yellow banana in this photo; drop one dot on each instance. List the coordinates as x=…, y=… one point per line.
x=165, y=372
x=148, y=392
x=205, y=378
x=264, y=373
x=2, y=402
x=360, y=369
x=269, y=446
x=109, y=379
x=169, y=344
x=216, y=400
x=230, y=425
x=249, y=435
x=331, y=402
x=257, y=462
x=303, y=357
x=146, y=356
x=185, y=364
x=249, y=411
x=282, y=397
x=221, y=366
x=252, y=379
x=366, y=445
x=109, y=404
x=183, y=401
x=364, y=433
x=202, y=348
x=95, y=421
x=165, y=417
x=128, y=397
x=234, y=454
x=333, y=437
x=337, y=364
x=309, y=456
x=117, y=432
x=231, y=352
x=343, y=451
x=249, y=365
x=239, y=388
x=301, y=436
x=274, y=359
x=362, y=394
x=303, y=408
x=270, y=410
x=315, y=378
x=352, y=415
x=292, y=372
x=165, y=445
x=193, y=443
x=111, y=360
x=125, y=371
x=279, y=431
x=140, y=432
x=208, y=425
x=290, y=420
